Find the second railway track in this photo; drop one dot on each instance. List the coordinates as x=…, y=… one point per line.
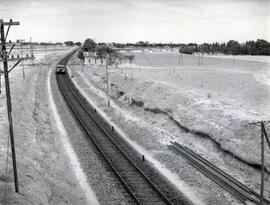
x=228, y=183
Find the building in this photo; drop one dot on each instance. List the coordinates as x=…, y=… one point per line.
x=89, y=57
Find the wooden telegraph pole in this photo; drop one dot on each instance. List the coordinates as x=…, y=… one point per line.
x=5, y=58
x=263, y=135
x=107, y=77
x=32, y=51
x=0, y=75
x=262, y=164
x=45, y=50
x=21, y=42
x=9, y=107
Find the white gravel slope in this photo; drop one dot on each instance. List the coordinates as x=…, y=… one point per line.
x=46, y=175
x=218, y=99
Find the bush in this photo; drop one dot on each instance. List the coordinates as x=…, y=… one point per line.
x=187, y=50
x=80, y=55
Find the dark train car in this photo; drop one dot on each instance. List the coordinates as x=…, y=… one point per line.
x=61, y=69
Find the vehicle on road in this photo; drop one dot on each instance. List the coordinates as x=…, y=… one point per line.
x=61, y=69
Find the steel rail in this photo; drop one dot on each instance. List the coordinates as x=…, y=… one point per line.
x=98, y=147
x=123, y=153
x=233, y=186
x=239, y=196
x=106, y=134
x=227, y=176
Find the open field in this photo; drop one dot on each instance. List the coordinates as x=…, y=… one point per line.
x=218, y=79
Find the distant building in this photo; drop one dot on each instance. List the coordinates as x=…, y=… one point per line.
x=128, y=49
x=89, y=57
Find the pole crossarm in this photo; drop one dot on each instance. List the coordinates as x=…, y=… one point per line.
x=10, y=23
x=23, y=59
x=16, y=43
x=14, y=65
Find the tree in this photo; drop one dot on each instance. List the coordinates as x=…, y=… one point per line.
x=89, y=45
x=262, y=47
x=69, y=43
x=78, y=43
x=103, y=50
x=114, y=56
x=233, y=47
x=187, y=50
x=130, y=57
x=80, y=55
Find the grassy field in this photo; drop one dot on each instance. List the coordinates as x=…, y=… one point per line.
x=170, y=59
x=245, y=82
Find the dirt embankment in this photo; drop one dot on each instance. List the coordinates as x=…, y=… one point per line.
x=221, y=121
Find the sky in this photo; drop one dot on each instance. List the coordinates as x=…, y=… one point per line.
x=177, y=21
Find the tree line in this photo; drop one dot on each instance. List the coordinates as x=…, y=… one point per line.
x=232, y=47
x=259, y=47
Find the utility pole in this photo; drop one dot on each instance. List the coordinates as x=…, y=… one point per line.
x=45, y=53
x=180, y=61
x=9, y=107
x=107, y=77
x=200, y=60
x=0, y=75
x=262, y=164
x=21, y=42
x=5, y=58
x=32, y=52
x=263, y=134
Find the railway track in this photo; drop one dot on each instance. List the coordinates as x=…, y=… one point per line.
x=136, y=182
x=228, y=183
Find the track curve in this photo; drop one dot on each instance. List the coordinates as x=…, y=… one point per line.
x=137, y=184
